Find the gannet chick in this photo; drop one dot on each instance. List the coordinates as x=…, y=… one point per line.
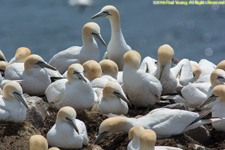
x=221, y=65
x=134, y=79
x=2, y=56
x=35, y=77
x=109, y=67
x=117, y=46
x=38, y=142
x=165, y=122
x=76, y=54
x=68, y=132
x=196, y=72
x=133, y=135
x=75, y=91
x=3, y=65
x=21, y=54
x=13, y=105
x=114, y=100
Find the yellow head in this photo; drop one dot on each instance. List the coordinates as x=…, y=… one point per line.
x=21, y=54
x=38, y=142
x=221, y=65
x=219, y=91
x=135, y=132
x=196, y=72
x=109, y=67
x=132, y=58
x=165, y=54
x=217, y=77
x=147, y=140
x=11, y=87
x=74, y=72
x=92, y=69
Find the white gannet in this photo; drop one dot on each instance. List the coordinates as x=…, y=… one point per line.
x=21, y=54
x=35, y=77
x=2, y=56
x=165, y=122
x=68, y=132
x=142, y=89
x=76, y=54
x=109, y=67
x=13, y=106
x=38, y=142
x=218, y=98
x=117, y=46
x=75, y=91
x=114, y=100
x=133, y=135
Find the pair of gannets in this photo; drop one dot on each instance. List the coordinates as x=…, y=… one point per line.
x=35, y=77
x=38, y=142
x=13, y=105
x=144, y=139
x=165, y=122
x=117, y=46
x=75, y=91
x=76, y=54
x=68, y=132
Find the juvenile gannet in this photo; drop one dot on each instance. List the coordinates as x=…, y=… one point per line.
x=2, y=56
x=13, y=105
x=117, y=46
x=76, y=54
x=68, y=132
x=38, y=142
x=35, y=77
x=165, y=122
x=75, y=91
x=114, y=100
x=21, y=54
x=142, y=89
x=109, y=67
x=133, y=135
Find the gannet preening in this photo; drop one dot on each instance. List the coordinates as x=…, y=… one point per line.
x=13, y=105
x=165, y=122
x=76, y=54
x=117, y=46
x=2, y=56
x=35, y=77
x=109, y=67
x=3, y=65
x=114, y=100
x=21, y=54
x=38, y=142
x=134, y=79
x=75, y=91
x=133, y=135
x=68, y=132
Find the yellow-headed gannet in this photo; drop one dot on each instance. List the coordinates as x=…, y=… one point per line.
x=21, y=54
x=38, y=142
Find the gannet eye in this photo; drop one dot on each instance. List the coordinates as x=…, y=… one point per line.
x=107, y=13
x=94, y=33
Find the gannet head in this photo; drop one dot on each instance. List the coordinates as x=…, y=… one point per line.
x=221, y=65
x=135, y=132
x=132, y=58
x=217, y=77
x=21, y=54
x=147, y=139
x=35, y=61
x=165, y=54
x=107, y=11
x=13, y=90
x=109, y=67
x=3, y=65
x=92, y=29
x=74, y=72
x=113, y=89
x=38, y=142
x=92, y=69
x=112, y=125
x=196, y=72
x=2, y=56
x=68, y=114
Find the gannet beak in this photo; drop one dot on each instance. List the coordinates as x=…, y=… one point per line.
x=73, y=123
x=99, y=37
x=20, y=98
x=101, y=15
x=119, y=95
x=209, y=100
x=45, y=65
x=80, y=76
x=100, y=136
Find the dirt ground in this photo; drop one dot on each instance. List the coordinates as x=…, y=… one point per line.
x=15, y=136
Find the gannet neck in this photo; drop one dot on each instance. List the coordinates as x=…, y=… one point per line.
x=115, y=22
x=217, y=77
x=132, y=58
x=92, y=69
x=219, y=91
x=221, y=65
x=38, y=142
x=147, y=140
x=11, y=87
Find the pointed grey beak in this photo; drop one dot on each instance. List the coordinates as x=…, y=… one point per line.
x=99, y=37
x=80, y=76
x=100, y=15
x=100, y=136
x=45, y=65
x=209, y=100
x=20, y=98
x=72, y=122
x=119, y=95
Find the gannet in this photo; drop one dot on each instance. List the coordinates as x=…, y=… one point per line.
x=75, y=91
x=13, y=105
x=2, y=56
x=133, y=135
x=68, y=132
x=117, y=46
x=165, y=122
x=38, y=142
x=35, y=77
x=76, y=54
x=21, y=54
x=142, y=89
x=114, y=100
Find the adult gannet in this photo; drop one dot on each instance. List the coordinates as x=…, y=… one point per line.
x=165, y=122
x=68, y=132
x=114, y=100
x=75, y=91
x=35, y=77
x=13, y=105
x=21, y=54
x=133, y=135
x=38, y=142
x=2, y=56
x=142, y=89
x=76, y=54
x=117, y=46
